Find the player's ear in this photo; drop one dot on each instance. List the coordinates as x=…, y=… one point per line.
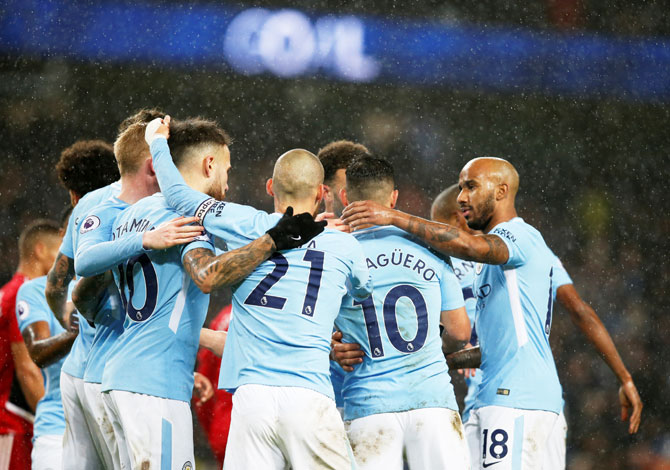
x=502, y=191
x=208, y=165
x=149, y=164
x=39, y=249
x=74, y=198
x=320, y=193
x=268, y=188
x=394, y=198
x=343, y=197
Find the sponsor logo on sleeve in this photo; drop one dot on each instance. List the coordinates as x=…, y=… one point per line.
x=203, y=208
x=504, y=233
x=22, y=309
x=90, y=223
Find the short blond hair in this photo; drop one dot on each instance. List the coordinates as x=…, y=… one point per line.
x=130, y=148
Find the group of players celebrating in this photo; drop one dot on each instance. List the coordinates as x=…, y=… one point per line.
x=341, y=319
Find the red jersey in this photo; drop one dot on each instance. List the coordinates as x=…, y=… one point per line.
x=214, y=415
x=9, y=333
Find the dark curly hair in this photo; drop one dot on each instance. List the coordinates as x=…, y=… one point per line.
x=87, y=165
x=337, y=155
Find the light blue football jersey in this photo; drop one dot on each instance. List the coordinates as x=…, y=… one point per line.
x=398, y=327
x=337, y=379
x=283, y=313
x=165, y=310
x=560, y=276
x=465, y=273
x=32, y=307
x=513, y=321
x=97, y=227
x=75, y=364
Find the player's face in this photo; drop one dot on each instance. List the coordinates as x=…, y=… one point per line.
x=220, y=181
x=476, y=200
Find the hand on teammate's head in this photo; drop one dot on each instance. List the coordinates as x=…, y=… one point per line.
x=293, y=231
x=157, y=128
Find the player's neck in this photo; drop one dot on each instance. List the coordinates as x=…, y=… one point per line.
x=298, y=207
x=134, y=188
x=507, y=213
x=30, y=269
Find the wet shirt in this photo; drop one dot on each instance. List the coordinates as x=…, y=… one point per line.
x=284, y=311
x=465, y=273
x=97, y=228
x=513, y=321
x=32, y=307
x=398, y=327
x=164, y=311
x=75, y=364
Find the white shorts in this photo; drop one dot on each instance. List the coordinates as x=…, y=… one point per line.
x=80, y=425
x=281, y=427
x=471, y=431
x=150, y=432
x=554, y=457
x=510, y=438
x=428, y=437
x=102, y=433
x=47, y=453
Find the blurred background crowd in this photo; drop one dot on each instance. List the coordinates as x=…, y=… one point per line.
x=593, y=167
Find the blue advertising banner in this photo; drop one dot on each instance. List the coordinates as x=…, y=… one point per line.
x=290, y=43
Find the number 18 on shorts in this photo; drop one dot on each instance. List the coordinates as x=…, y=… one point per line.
x=510, y=438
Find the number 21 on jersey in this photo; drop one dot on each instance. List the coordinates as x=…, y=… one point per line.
x=260, y=297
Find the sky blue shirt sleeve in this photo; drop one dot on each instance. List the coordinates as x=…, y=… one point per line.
x=104, y=256
x=452, y=294
x=31, y=306
x=560, y=275
x=93, y=246
x=517, y=243
x=180, y=196
x=66, y=247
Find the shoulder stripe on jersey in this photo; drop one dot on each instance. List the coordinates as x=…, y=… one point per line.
x=178, y=308
x=515, y=305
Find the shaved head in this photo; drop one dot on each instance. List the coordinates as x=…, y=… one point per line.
x=488, y=189
x=297, y=176
x=445, y=204
x=496, y=170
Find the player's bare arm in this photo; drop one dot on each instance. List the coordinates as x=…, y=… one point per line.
x=28, y=374
x=456, y=329
x=445, y=238
x=58, y=280
x=209, y=271
x=213, y=340
x=588, y=321
x=86, y=295
x=45, y=349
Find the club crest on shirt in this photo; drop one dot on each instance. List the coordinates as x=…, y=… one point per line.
x=22, y=309
x=90, y=223
x=478, y=268
x=187, y=466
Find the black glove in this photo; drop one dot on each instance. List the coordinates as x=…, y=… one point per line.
x=293, y=231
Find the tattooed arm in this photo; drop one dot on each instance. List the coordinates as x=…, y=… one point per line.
x=209, y=271
x=447, y=239
x=58, y=279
